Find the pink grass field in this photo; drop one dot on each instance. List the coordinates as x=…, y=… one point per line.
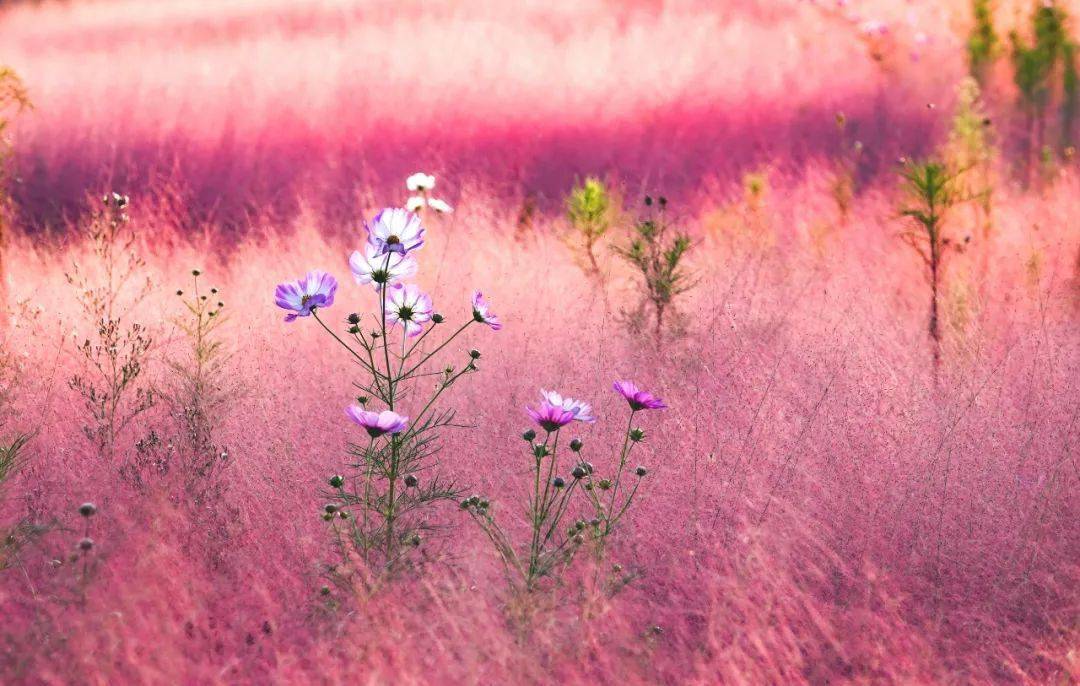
x=817, y=511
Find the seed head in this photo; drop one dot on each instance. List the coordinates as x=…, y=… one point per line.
x=576, y=445
x=410, y=480
x=558, y=482
x=86, y=544
x=579, y=472
x=88, y=509
x=640, y=471
x=437, y=318
x=354, y=318
x=475, y=354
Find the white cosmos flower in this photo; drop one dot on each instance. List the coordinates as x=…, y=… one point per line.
x=409, y=306
x=440, y=206
x=377, y=269
x=582, y=411
x=420, y=182
x=416, y=203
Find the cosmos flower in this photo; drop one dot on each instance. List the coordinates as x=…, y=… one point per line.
x=377, y=423
x=550, y=417
x=304, y=295
x=410, y=307
x=638, y=399
x=371, y=266
x=395, y=230
x=420, y=182
x=582, y=411
x=481, y=313
x=419, y=202
x=440, y=206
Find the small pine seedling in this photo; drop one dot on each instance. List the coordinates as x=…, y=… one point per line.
x=931, y=191
x=659, y=259
x=589, y=209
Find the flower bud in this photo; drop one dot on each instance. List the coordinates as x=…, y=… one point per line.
x=437, y=318
x=474, y=500
x=483, y=505
x=343, y=514
x=604, y=484
x=579, y=524
x=579, y=472
x=327, y=517
x=86, y=544
x=465, y=504
x=636, y=435
x=362, y=399
x=529, y=435
x=195, y=272
x=616, y=567
x=595, y=521
x=337, y=480
x=179, y=292
x=540, y=450
x=330, y=508
x=410, y=480
x=354, y=318
x=88, y=509
x=588, y=467
x=558, y=482
x=475, y=354
x=576, y=445
x=579, y=539
x=415, y=540
x=354, y=330
x=640, y=471
x=325, y=590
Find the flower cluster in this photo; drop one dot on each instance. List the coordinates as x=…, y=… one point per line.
x=387, y=492
x=421, y=185
x=551, y=545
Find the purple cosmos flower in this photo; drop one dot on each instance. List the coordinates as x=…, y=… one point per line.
x=377, y=423
x=638, y=399
x=582, y=411
x=395, y=230
x=482, y=314
x=406, y=304
x=304, y=295
x=371, y=266
x=550, y=417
